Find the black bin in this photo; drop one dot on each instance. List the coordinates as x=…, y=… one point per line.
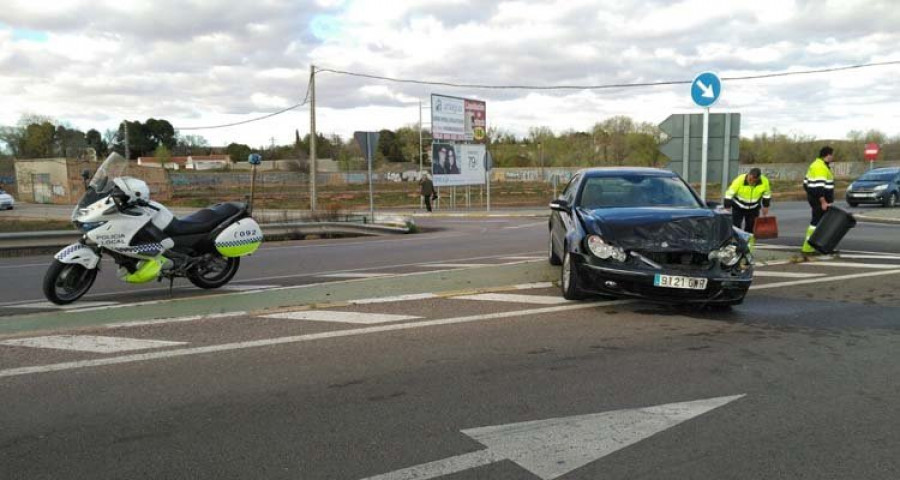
x=831, y=229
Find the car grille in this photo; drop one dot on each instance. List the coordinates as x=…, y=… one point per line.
x=680, y=260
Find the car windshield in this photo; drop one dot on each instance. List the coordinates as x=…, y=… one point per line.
x=878, y=177
x=618, y=191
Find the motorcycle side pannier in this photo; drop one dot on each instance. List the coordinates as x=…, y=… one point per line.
x=831, y=229
x=240, y=238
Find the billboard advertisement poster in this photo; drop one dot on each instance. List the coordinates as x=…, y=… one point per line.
x=459, y=164
x=458, y=119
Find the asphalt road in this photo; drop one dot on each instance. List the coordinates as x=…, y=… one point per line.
x=798, y=382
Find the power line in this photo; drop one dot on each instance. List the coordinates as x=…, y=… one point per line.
x=536, y=87
x=292, y=107
x=601, y=86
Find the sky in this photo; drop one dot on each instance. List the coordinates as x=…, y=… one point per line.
x=205, y=63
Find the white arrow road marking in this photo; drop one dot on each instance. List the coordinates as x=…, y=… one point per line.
x=551, y=448
x=341, y=317
x=707, y=90
x=511, y=297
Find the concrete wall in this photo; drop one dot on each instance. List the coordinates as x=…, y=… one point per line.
x=65, y=184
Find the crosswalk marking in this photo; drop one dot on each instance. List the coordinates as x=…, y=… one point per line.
x=767, y=273
x=70, y=306
x=514, y=298
x=342, y=317
x=89, y=343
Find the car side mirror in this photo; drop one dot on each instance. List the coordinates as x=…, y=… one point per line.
x=560, y=205
x=713, y=205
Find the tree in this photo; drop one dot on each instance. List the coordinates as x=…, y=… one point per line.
x=162, y=154
x=389, y=146
x=238, y=152
x=160, y=132
x=95, y=140
x=38, y=140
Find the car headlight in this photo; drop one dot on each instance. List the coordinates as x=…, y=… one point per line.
x=603, y=250
x=879, y=188
x=728, y=255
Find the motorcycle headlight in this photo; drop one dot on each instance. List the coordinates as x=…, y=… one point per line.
x=727, y=255
x=603, y=250
x=87, y=227
x=879, y=188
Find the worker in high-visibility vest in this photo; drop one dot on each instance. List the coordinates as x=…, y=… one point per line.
x=747, y=193
x=819, y=186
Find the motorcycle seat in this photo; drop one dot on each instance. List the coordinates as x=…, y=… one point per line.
x=203, y=221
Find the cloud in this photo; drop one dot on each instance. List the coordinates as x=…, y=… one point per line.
x=216, y=61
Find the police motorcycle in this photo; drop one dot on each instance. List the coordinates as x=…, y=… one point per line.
x=146, y=240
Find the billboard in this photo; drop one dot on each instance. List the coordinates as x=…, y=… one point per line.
x=457, y=164
x=458, y=119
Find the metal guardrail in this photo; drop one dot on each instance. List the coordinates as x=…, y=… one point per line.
x=62, y=238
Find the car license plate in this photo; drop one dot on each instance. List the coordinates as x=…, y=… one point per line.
x=676, y=281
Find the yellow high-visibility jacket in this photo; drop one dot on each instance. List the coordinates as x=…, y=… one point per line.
x=745, y=196
x=819, y=181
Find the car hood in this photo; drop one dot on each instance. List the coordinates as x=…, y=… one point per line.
x=660, y=229
x=858, y=184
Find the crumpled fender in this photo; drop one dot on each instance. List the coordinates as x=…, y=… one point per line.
x=78, y=253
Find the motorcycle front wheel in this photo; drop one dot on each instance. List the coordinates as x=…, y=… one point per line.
x=66, y=282
x=215, y=273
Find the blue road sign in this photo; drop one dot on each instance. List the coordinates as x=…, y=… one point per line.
x=254, y=159
x=706, y=89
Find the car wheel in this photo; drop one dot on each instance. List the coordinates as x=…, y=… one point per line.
x=891, y=200
x=852, y=204
x=568, y=282
x=553, y=257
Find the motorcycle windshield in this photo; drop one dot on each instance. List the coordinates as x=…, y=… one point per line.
x=101, y=183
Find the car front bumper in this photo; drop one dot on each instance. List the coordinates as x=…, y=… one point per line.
x=867, y=197
x=626, y=282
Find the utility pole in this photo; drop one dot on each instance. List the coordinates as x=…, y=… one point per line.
x=312, y=138
x=421, y=155
x=127, y=150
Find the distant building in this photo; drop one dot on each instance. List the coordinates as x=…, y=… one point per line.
x=190, y=162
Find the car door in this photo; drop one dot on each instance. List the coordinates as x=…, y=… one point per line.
x=561, y=222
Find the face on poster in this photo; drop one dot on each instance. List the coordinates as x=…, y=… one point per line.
x=457, y=164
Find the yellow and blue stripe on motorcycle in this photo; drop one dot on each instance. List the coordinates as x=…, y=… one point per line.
x=240, y=238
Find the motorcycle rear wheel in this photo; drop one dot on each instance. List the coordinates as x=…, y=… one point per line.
x=214, y=275
x=66, y=282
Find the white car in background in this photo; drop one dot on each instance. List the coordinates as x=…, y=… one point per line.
x=6, y=200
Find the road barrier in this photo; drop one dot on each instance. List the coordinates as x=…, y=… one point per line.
x=25, y=242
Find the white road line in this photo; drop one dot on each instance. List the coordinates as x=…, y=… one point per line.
x=823, y=280
x=527, y=225
x=242, y=287
x=870, y=257
x=342, y=317
x=523, y=258
x=529, y=286
x=164, y=321
x=456, y=265
x=881, y=266
x=767, y=273
x=185, y=352
x=355, y=275
x=513, y=298
x=396, y=298
x=71, y=306
x=89, y=343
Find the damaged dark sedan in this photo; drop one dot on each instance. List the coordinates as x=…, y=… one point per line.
x=644, y=232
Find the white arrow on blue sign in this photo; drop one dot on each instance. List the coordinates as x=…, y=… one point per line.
x=706, y=89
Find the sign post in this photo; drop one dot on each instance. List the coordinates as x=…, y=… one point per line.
x=705, y=90
x=368, y=141
x=253, y=159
